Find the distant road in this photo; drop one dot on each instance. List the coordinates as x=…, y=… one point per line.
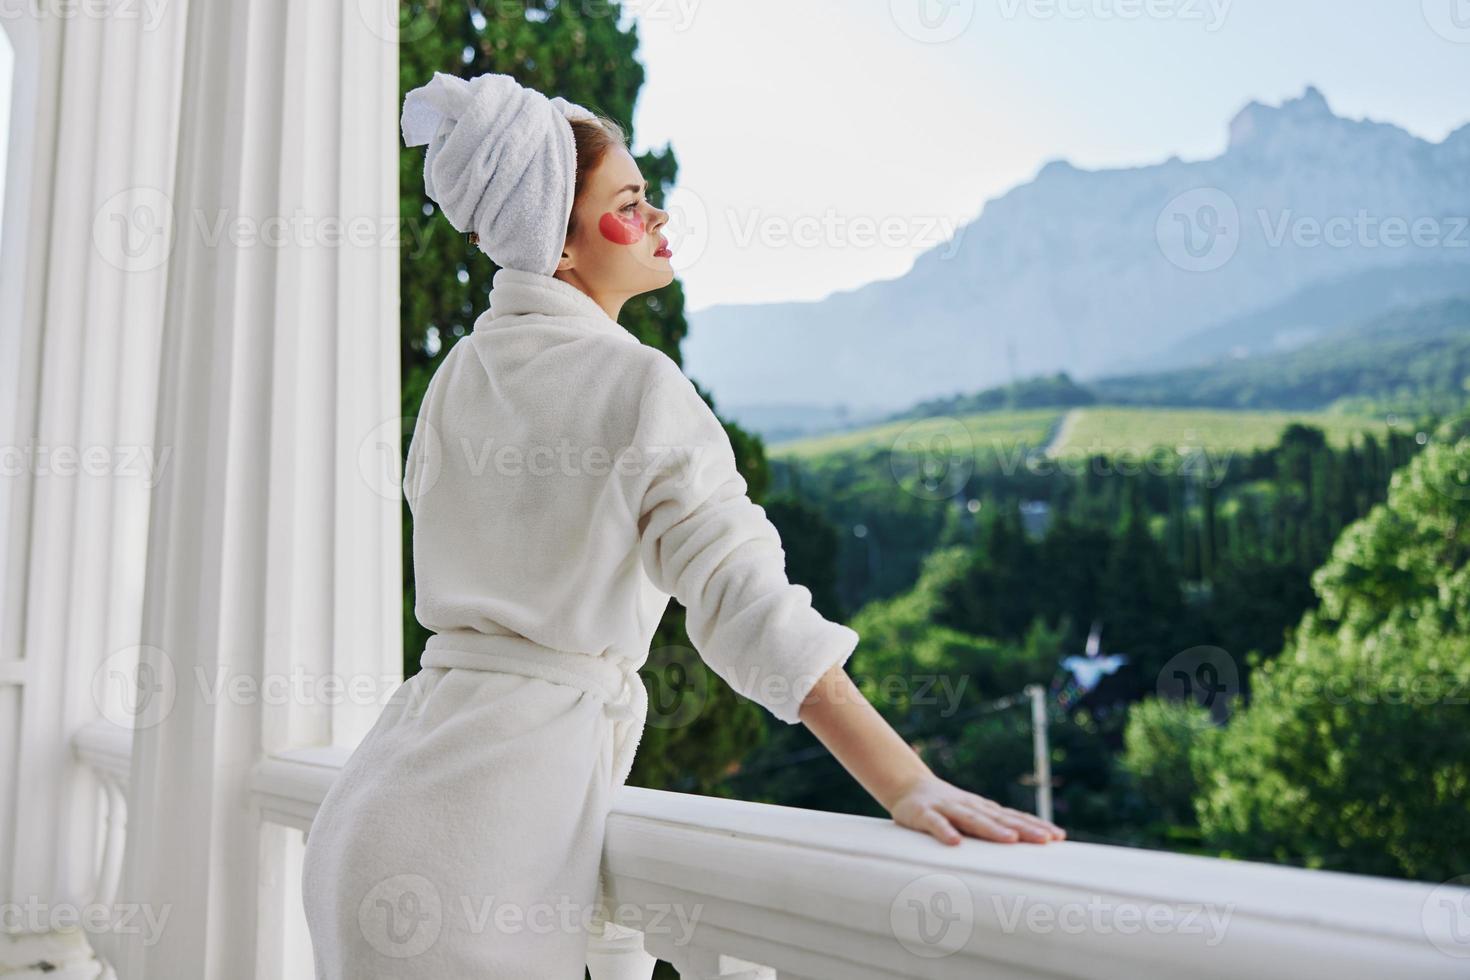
x=1062, y=431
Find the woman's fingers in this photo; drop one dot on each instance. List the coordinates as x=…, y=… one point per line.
x=1028, y=827
x=1051, y=828
x=951, y=815
x=983, y=825
x=933, y=822
x=995, y=811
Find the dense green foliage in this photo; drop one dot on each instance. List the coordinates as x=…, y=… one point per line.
x=1158, y=745
x=1165, y=561
x=1057, y=391
x=1352, y=753
x=969, y=571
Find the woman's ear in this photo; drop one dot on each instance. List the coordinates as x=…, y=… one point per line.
x=568, y=255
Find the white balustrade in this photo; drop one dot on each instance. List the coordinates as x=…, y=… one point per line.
x=747, y=891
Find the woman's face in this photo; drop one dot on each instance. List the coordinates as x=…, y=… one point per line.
x=618, y=250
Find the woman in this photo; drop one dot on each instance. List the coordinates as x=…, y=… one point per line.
x=565, y=482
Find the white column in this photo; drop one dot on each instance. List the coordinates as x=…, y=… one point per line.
x=42, y=562
x=94, y=119
x=23, y=246
x=269, y=549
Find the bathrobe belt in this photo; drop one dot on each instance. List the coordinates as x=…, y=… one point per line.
x=613, y=682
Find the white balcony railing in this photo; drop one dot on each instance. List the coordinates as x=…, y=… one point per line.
x=819, y=895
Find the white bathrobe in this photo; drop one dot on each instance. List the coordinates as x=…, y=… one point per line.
x=565, y=481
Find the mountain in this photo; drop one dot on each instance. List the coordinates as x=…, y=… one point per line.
x=1309, y=315
x=1080, y=271
x=1413, y=359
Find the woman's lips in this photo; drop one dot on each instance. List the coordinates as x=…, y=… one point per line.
x=664, y=252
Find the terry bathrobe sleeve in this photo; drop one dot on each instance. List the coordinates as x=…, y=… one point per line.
x=705, y=542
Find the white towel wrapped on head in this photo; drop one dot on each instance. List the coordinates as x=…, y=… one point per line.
x=502, y=163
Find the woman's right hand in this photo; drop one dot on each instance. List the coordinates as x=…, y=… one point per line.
x=948, y=813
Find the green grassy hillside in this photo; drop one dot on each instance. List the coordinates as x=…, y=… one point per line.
x=1114, y=429
x=1109, y=429
x=991, y=434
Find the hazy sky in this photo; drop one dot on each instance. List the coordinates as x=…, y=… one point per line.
x=824, y=144
x=829, y=142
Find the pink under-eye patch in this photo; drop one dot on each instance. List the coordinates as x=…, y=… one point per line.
x=621, y=229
